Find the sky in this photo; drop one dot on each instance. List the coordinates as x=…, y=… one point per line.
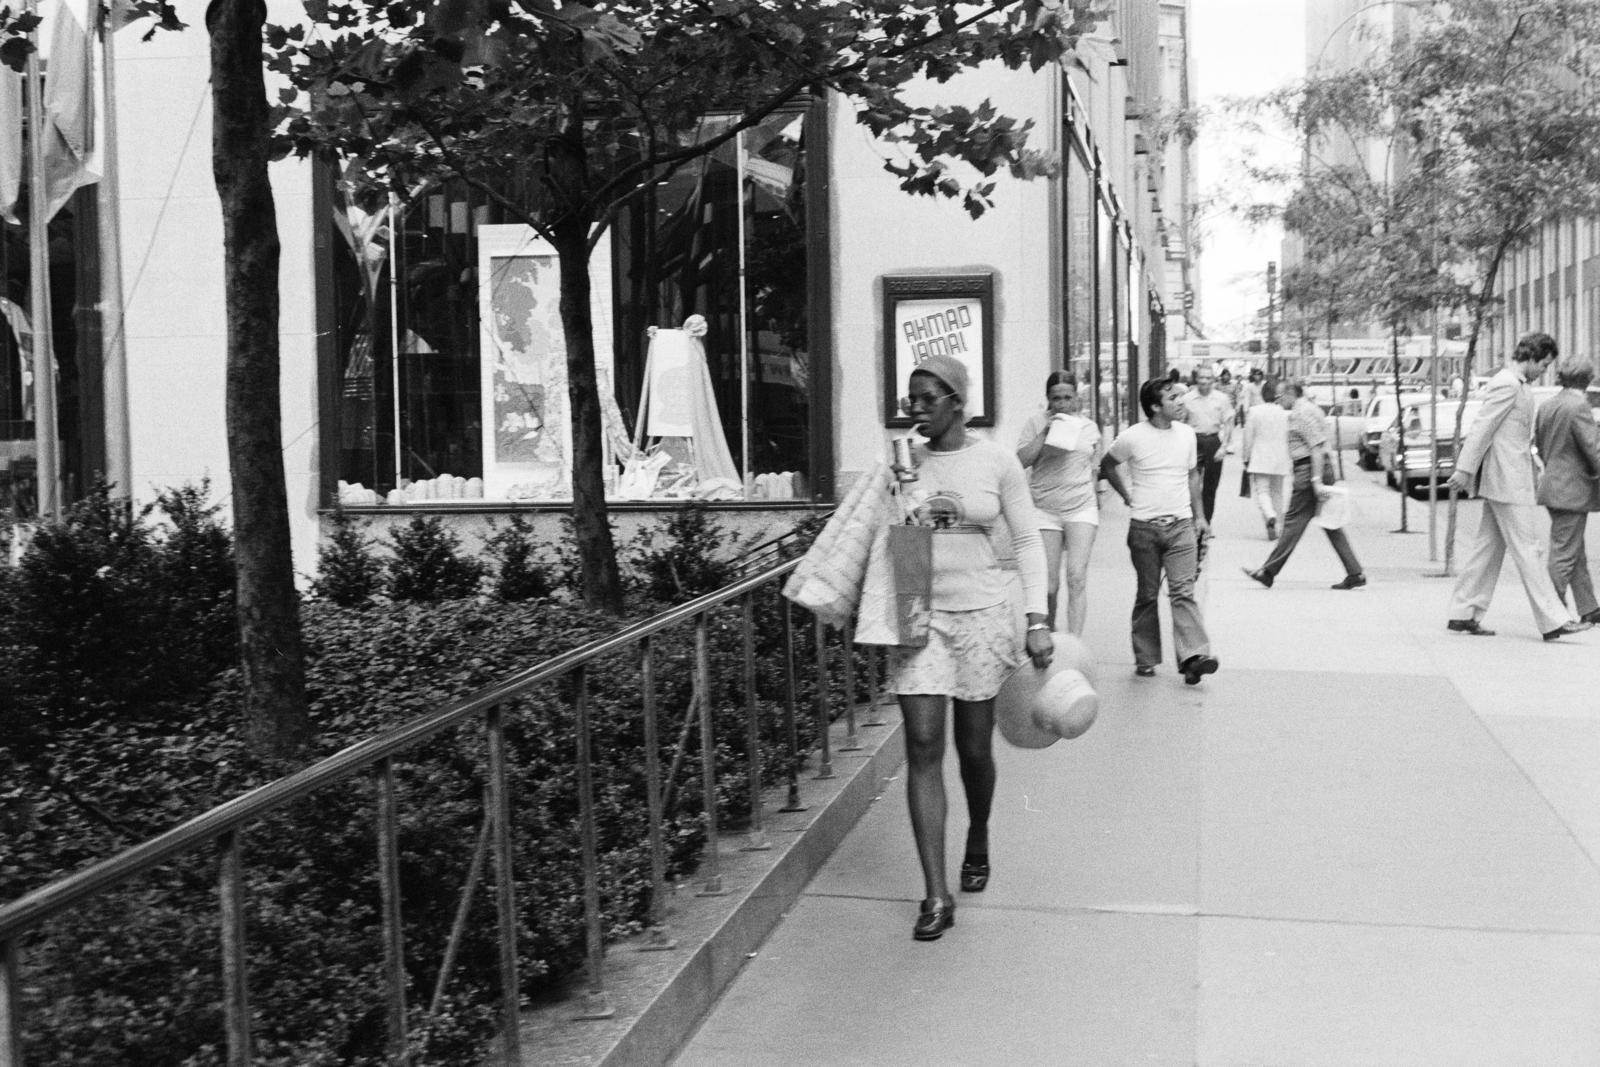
x=1242, y=48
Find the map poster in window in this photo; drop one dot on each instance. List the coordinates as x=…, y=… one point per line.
x=527, y=418
x=943, y=314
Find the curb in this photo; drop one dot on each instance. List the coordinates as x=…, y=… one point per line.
x=661, y=997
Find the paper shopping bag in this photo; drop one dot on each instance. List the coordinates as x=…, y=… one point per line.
x=896, y=594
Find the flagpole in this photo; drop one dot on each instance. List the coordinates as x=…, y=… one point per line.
x=44, y=364
x=119, y=458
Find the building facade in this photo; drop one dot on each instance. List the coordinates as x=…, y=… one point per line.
x=755, y=318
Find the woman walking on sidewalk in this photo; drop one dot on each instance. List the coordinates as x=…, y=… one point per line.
x=963, y=485
x=1061, y=450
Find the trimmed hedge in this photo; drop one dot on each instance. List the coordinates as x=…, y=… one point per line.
x=133, y=978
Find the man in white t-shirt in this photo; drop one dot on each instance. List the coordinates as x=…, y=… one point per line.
x=1165, y=527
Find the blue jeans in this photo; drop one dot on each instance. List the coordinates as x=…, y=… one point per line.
x=1170, y=549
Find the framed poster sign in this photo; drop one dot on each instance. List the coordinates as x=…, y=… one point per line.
x=945, y=314
x=527, y=418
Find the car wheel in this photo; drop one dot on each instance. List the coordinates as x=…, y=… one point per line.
x=1367, y=461
x=1391, y=480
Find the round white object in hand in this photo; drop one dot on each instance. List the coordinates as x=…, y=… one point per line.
x=1036, y=708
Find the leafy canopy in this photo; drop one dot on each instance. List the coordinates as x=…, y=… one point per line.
x=579, y=106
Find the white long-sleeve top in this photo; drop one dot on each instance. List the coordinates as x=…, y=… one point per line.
x=963, y=495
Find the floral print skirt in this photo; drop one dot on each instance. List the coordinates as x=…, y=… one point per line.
x=969, y=655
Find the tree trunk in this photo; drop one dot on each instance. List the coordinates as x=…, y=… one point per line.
x=597, y=553
x=277, y=722
x=1399, y=421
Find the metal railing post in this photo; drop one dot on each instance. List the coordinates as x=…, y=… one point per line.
x=10, y=1004
x=597, y=1002
x=394, y=947
x=658, y=937
x=708, y=759
x=877, y=657
x=852, y=739
x=790, y=727
x=757, y=839
x=824, y=743
x=505, y=889
x=235, y=964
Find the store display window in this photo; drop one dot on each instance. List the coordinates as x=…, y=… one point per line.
x=451, y=360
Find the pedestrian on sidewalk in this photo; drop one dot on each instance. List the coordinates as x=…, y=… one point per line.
x=964, y=485
x=1266, y=454
x=1210, y=415
x=1061, y=451
x=1308, y=452
x=1497, y=460
x=1569, y=488
x=1165, y=528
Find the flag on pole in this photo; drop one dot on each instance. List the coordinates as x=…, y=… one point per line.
x=11, y=158
x=69, y=103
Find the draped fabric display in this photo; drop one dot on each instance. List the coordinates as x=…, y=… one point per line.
x=678, y=412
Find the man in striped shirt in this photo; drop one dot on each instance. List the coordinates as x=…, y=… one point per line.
x=1308, y=451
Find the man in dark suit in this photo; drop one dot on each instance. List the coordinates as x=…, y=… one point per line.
x=1569, y=488
x=1496, y=460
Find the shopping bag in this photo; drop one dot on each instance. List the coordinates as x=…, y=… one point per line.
x=896, y=595
x=1333, y=509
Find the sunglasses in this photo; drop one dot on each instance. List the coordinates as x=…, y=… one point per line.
x=927, y=400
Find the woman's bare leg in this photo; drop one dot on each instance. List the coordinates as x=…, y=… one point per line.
x=1079, y=543
x=1052, y=570
x=924, y=733
x=974, y=732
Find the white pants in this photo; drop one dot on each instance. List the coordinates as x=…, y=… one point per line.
x=1268, y=492
x=1512, y=528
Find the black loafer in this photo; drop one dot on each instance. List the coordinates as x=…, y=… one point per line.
x=1145, y=670
x=1351, y=581
x=1197, y=667
x=935, y=917
x=1470, y=626
x=1566, y=629
x=974, y=874
x=1259, y=576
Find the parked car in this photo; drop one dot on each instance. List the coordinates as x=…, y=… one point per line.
x=1378, y=417
x=1409, y=465
x=1347, y=420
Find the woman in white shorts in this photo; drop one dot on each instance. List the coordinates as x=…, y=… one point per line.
x=1061, y=450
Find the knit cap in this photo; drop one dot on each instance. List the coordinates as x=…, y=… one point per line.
x=948, y=369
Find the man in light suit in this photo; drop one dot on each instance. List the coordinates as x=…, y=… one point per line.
x=1497, y=458
x=1569, y=488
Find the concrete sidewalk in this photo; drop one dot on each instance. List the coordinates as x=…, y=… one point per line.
x=1365, y=841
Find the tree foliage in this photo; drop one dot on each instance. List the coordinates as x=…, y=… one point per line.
x=564, y=114
x=1427, y=167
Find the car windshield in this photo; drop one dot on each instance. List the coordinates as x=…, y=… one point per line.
x=1420, y=416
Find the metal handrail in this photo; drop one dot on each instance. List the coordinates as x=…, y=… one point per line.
x=226, y=821
x=34, y=908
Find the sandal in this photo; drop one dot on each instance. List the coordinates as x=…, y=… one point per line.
x=935, y=917
x=974, y=874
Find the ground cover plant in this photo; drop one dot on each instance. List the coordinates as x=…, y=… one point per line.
x=119, y=747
